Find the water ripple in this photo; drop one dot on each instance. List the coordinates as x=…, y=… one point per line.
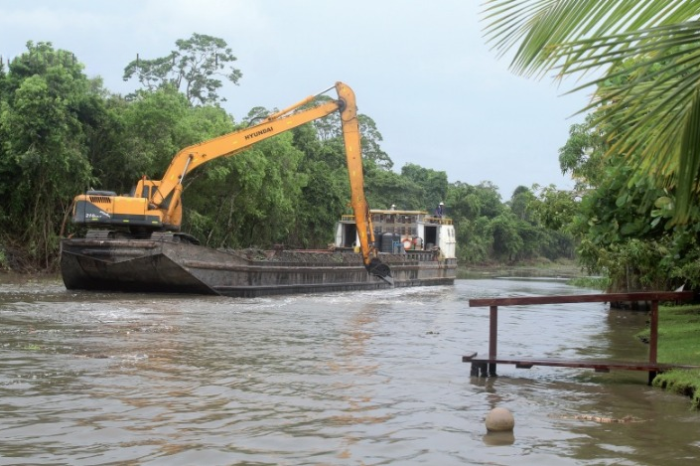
x=327, y=379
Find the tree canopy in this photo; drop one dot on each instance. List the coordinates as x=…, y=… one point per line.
x=194, y=69
x=62, y=133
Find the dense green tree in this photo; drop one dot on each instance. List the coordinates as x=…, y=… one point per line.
x=619, y=224
x=48, y=102
x=371, y=147
x=472, y=209
x=326, y=193
x=434, y=184
x=520, y=203
x=540, y=239
x=490, y=201
x=507, y=241
x=489, y=230
x=384, y=188
x=329, y=129
x=194, y=69
x=465, y=201
x=249, y=199
x=583, y=155
x=3, y=80
x=150, y=130
x=546, y=226
x=554, y=208
x=531, y=236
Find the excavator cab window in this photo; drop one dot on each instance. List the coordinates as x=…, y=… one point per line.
x=145, y=191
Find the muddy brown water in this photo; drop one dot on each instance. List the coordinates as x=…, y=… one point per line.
x=369, y=378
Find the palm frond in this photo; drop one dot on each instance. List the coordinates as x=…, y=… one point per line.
x=539, y=27
x=646, y=54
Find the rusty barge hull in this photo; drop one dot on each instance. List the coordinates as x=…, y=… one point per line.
x=166, y=266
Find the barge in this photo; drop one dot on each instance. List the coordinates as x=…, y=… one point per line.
x=418, y=248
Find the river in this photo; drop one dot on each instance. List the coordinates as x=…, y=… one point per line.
x=358, y=378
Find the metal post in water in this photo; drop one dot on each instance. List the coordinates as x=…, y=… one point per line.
x=653, y=337
x=493, y=338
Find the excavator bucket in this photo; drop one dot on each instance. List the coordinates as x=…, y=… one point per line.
x=381, y=270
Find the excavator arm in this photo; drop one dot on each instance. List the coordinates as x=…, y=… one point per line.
x=156, y=205
x=353, y=154
x=166, y=196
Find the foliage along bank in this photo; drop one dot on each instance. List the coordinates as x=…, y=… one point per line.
x=62, y=132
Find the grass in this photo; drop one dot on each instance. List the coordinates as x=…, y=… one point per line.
x=543, y=268
x=679, y=343
x=595, y=283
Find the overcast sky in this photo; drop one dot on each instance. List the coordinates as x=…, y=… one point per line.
x=420, y=69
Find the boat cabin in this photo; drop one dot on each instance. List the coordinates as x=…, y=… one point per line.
x=402, y=231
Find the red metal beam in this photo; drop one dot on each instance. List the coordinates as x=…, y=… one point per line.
x=585, y=298
x=601, y=366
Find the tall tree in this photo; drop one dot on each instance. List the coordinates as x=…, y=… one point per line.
x=384, y=188
x=194, y=69
x=655, y=111
x=48, y=103
x=583, y=155
x=330, y=128
x=472, y=209
x=434, y=184
x=521, y=202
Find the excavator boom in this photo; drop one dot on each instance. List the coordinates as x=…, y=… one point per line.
x=156, y=204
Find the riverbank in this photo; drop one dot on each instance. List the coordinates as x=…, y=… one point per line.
x=679, y=327
x=558, y=270
x=14, y=278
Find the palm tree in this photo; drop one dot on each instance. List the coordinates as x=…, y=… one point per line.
x=644, y=56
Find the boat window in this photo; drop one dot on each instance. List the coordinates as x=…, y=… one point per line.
x=349, y=235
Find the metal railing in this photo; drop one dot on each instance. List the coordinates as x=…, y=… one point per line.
x=479, y=365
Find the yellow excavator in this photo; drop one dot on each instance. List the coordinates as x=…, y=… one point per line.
x=156, y=205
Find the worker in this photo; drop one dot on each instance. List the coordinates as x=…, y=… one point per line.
x=440, y=211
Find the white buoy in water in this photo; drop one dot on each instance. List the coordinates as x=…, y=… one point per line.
x=500, y=420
